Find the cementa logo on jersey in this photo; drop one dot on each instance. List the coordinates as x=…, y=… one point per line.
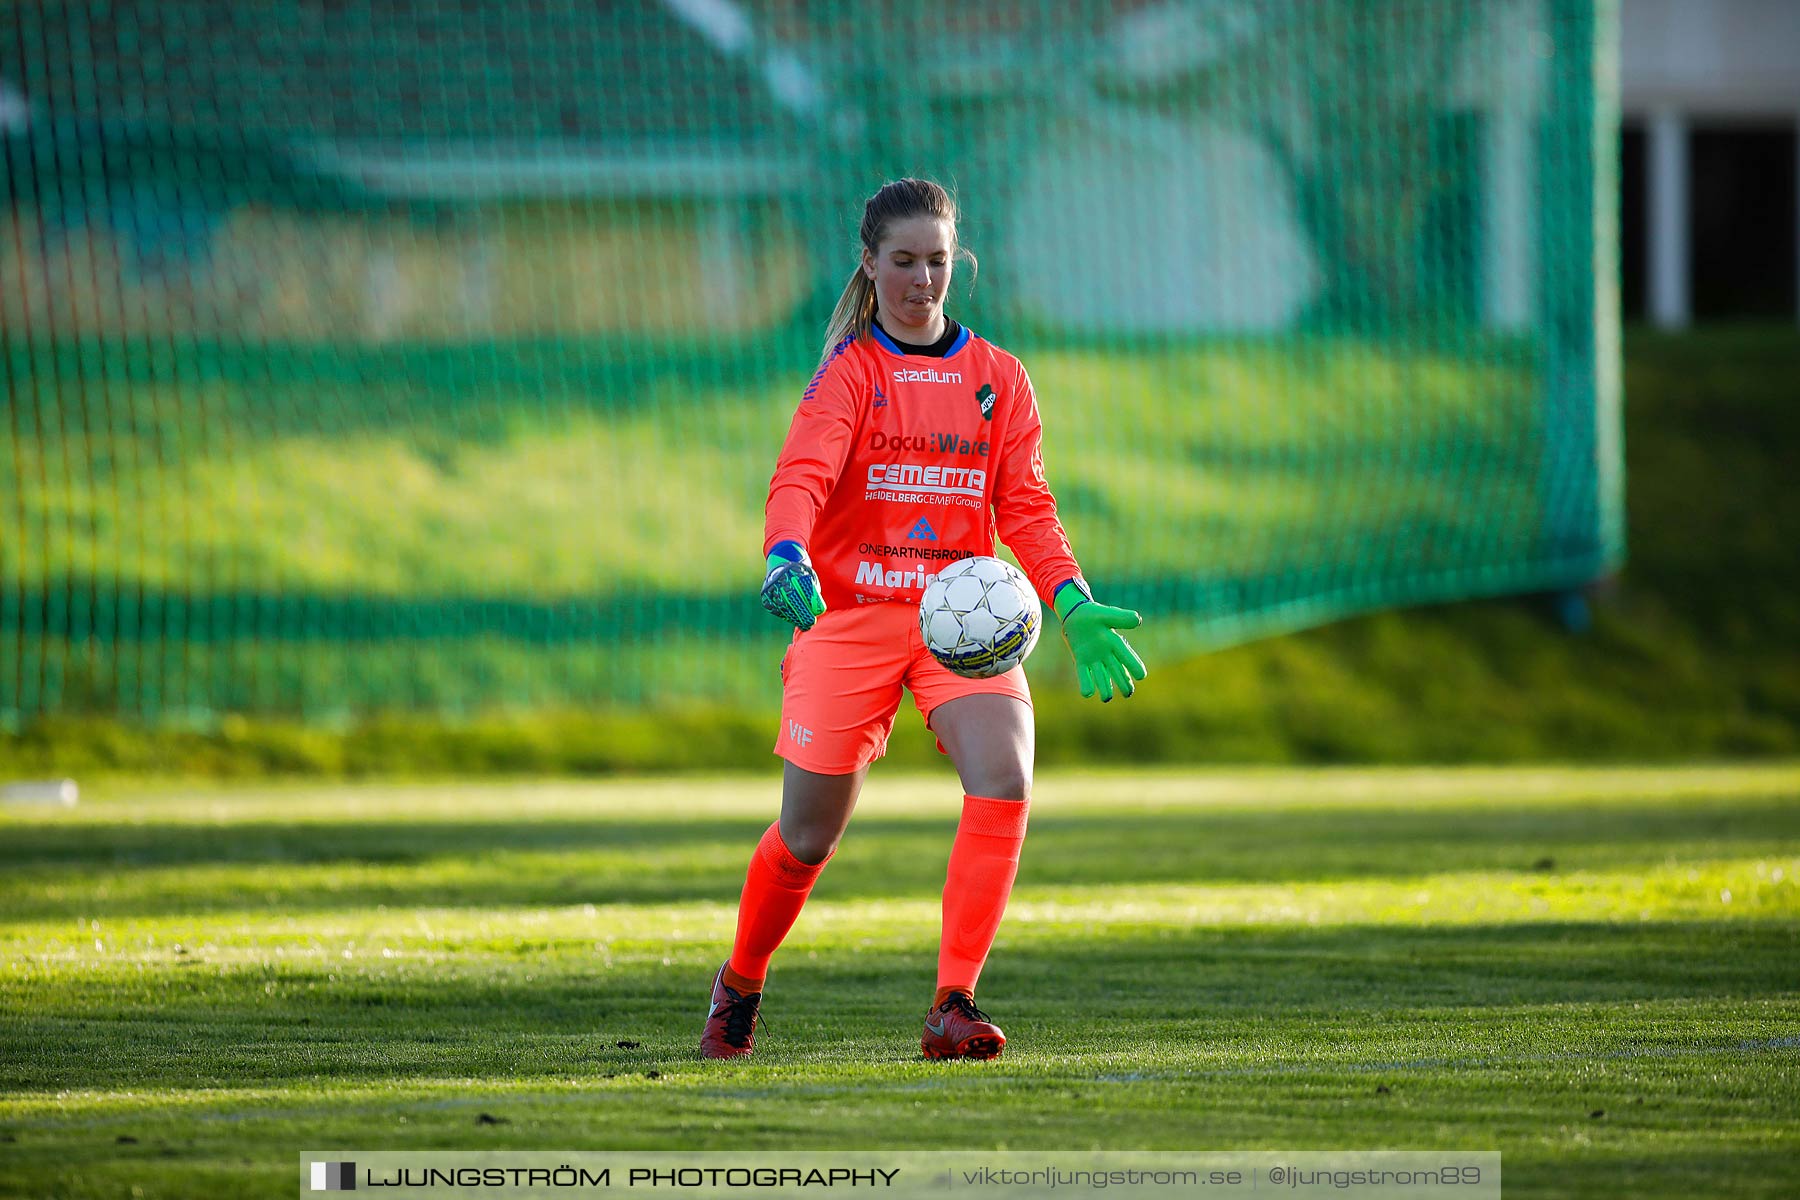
x=916, y=483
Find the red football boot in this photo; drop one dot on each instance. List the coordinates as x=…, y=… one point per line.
x=730, y=1023
x=957, y=1029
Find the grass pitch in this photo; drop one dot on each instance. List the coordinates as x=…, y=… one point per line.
x=1594, y=971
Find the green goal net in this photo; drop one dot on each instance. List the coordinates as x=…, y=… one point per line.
x=433, y=355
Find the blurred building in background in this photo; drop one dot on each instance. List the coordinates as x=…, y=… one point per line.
x=1710, y=96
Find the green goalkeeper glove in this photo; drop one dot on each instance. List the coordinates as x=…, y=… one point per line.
x=790, y=590
x=1104, y=661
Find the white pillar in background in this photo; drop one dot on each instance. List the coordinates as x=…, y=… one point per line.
x=722, y=253
x=1510, y=258
x=1670, y=306
x=1516, y=88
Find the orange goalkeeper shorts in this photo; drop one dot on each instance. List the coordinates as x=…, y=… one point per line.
x=841, y=684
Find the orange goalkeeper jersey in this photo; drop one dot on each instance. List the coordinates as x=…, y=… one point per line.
x=897, y=465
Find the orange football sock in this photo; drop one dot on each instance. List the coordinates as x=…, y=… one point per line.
x=741, y=985
x=983, y=862
x=775, y=889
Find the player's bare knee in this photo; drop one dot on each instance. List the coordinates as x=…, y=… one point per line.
x=1001, y=783
x=811, y=846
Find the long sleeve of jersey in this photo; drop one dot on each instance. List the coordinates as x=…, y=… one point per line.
x=1024, y=508
x=812, y=458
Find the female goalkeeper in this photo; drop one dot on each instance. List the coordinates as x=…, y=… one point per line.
x=914, y=445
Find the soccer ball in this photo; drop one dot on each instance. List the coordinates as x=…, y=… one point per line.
x=979, y=617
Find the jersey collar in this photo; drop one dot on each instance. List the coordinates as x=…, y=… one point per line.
x=892, y=347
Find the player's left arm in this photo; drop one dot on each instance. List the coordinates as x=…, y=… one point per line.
x=1025, y=514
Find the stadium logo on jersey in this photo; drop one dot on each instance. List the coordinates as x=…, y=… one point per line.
x=985, y=397
x=928, y=375
x=880, y=400
x=922, y=532
x=947, y=442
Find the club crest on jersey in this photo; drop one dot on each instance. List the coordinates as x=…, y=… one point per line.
x=985, y=397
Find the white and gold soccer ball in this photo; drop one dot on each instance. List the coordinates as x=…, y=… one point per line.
x=980, y=617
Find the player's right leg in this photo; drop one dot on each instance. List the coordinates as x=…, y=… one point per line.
x=841, y=686
x=815, y=809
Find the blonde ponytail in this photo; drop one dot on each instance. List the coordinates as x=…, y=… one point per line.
x=854, y=314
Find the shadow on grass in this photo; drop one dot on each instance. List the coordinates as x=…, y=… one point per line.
x=1169, y=998
x=154, y=869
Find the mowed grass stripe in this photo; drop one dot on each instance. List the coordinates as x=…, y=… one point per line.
x=1722, y=890
x=125, y=802
x=1240, y=959
x=303, y=848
